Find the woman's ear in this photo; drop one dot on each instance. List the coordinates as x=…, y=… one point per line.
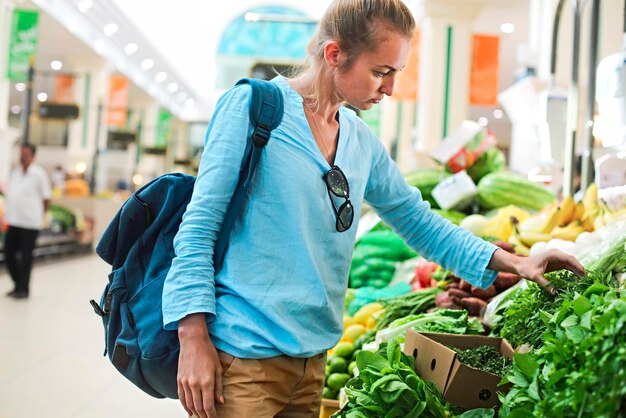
x=333, y=54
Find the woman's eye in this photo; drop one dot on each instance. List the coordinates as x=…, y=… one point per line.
x=380, y=74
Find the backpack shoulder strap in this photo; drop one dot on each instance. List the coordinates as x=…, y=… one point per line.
x=266, y=109
x=266, y=113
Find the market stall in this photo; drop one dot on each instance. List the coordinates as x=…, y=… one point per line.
x=420, y=341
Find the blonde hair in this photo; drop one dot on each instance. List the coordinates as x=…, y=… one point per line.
x=356, y=25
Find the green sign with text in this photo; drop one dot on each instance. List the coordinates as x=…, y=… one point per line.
x=23, y=45
x=164, y=128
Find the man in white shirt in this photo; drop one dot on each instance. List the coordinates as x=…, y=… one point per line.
x=27, y=201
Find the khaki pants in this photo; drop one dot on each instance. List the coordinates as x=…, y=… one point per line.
x=283, y=387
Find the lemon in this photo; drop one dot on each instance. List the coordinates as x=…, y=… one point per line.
x=353, y=332
x=347, y=321
x=360, y=317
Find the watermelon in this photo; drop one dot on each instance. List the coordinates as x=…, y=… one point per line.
x=425, y=179
x=490, y=161
x=503, y=188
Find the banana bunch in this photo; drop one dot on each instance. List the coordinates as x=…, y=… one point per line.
x=597, y=213
x=500, y=225
x=565, y=221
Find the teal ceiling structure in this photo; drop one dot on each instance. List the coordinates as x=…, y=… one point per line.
x=268, y=38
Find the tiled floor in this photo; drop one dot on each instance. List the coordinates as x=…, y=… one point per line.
x=51, y=363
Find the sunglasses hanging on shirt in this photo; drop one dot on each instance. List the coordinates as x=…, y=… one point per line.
x=337, y=184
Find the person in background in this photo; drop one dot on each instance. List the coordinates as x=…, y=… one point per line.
x=57, y=176
x=27, y=200
x=253, y=336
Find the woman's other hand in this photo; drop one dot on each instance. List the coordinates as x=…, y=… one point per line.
x=199, y=369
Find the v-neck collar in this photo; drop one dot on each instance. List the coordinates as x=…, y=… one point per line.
x=298, y=102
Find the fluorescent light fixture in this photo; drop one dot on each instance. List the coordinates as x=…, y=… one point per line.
x=15, y=109
x=498, y=113
x=56, y=65
x=110, y=29
x=42, y=97
x=160, y=77
x=147, y=64
x=172, y=87
x=507, y=27
x=84, y=5
x=483, y=121
x=251, y=17
x=20, y=86
x=131, y=48
x=190, y=102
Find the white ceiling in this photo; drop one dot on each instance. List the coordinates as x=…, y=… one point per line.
x=182, y=37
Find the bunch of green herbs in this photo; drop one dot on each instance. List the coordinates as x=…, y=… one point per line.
x=485, y=358
x=525, y=320
x=580, y=371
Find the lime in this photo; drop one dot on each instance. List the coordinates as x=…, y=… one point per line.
x=337, y=380
x=344, y=349
x=351, y=368
x=328, y=393
x=337, y=364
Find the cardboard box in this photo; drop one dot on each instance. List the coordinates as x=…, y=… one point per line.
x=461, y=385
x=329, y=407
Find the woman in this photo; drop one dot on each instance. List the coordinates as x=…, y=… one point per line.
x=253, y=337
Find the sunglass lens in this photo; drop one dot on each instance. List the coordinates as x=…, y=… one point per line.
x=337, y=182
x=345, y=217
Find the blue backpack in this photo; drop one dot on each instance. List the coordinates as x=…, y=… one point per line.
x=138, y=244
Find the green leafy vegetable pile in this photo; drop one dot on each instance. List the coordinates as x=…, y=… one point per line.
x=387, y=386
x=485, y=358
x=524, y=322
x=580, y=371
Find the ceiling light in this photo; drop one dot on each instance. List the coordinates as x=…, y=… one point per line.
x=160, y=77
x=110, y=29
x=131, y=48
x=181, y=96
x=507, y=28
x=56, y=65
x=190, y=102
x=251, y=17
x=498, y=113
x=483, y=121
x=172, y=87
x=15, y=109
x=42, y=97
x=20, y=86
x=84, y=5
x=147, y=64
x=137, y=179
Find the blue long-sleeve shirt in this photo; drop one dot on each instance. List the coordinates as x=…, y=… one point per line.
x=281, y=289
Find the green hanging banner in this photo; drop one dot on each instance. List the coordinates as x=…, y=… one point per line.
x=164, y=128
x=23, y=45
